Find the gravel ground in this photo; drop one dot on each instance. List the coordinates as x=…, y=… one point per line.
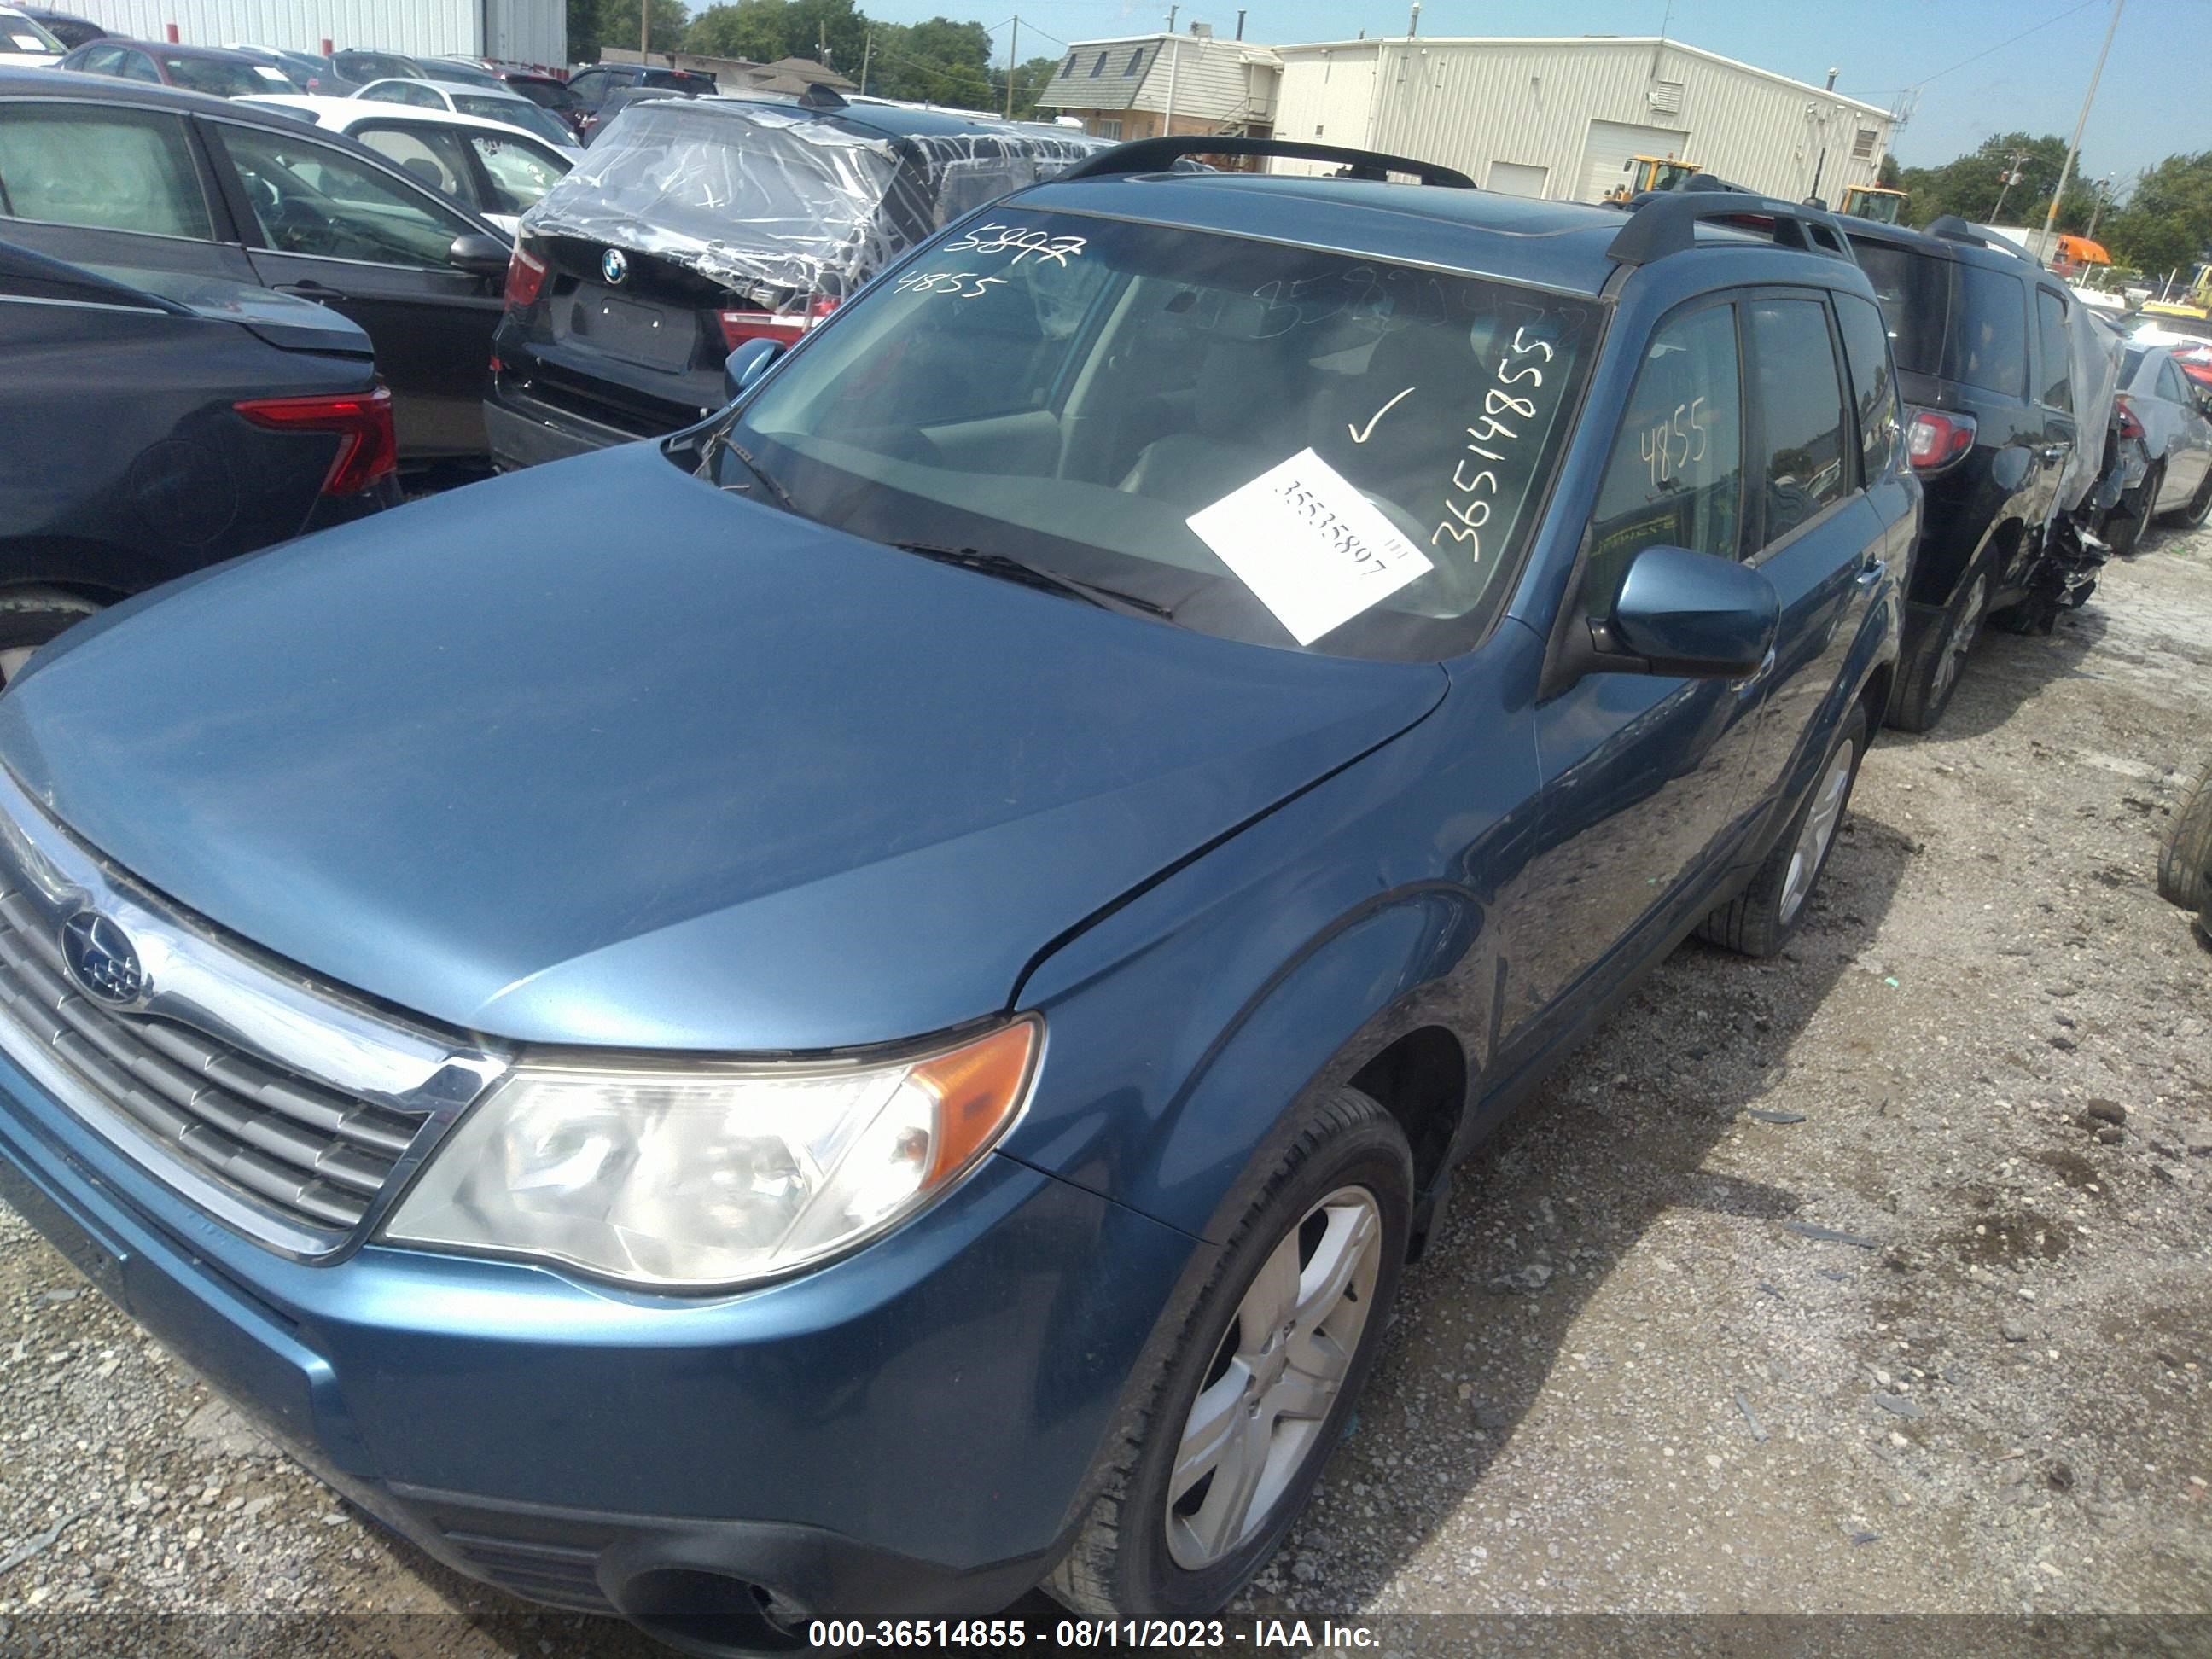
x=1985, y=1060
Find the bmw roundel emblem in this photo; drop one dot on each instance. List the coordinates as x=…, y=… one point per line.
x=101, y=959
x=614, y=265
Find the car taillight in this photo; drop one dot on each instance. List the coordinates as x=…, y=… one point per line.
x=2130, y=426
x=368, y=449
x=525, y=276
x=739, y=326
x=1934, y=441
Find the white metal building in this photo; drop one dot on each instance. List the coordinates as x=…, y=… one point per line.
x=1138, y=86
x=1560, y=118
x=524, y=31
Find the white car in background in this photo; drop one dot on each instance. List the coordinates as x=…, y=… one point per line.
x=24, y=45
x=488, y=167
x=511, y=108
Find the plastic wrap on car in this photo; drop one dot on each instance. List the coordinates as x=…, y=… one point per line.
x=783, y=205
x=2095, y=348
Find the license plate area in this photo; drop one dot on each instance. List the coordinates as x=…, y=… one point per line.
x=637, y=331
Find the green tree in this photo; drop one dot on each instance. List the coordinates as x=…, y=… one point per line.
x=1030, y=80
x=2167, y=222
x=1887, y=174
x=759, y=30
x=1973, y=186
x=593, y=24
x=937, y=61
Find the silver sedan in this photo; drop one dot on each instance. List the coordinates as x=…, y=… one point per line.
x=2177, y=436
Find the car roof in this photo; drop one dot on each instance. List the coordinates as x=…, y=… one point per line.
x=1994, y=256
x=452, y=88
x=343, y=114
x=171, y=49
x=1522, y=238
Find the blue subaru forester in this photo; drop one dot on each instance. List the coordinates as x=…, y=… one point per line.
x=858, y=1010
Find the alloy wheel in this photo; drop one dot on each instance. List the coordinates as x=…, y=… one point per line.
x=1275, y=1376
x=1827, y=811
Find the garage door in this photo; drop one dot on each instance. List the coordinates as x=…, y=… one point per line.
x=1516, y=179
x=1612, y=143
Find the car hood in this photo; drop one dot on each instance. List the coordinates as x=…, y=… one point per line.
x=292, y=324
x=597, y=754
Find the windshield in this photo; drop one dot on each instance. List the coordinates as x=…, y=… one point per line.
x=1273, y=444
x=513, y=113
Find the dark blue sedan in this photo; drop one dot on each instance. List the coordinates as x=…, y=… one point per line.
x=860, y=1009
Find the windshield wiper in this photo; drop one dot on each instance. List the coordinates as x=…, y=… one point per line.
x=720, y=439
x=1009, y=568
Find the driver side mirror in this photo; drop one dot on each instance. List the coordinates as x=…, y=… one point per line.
x=743, y=369
x=1694, y=615
x=1691, y=616
x=478, y=255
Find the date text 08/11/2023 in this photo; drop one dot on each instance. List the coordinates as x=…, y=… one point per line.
x=1064, y=1635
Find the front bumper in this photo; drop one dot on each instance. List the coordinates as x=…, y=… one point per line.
x=906, y=1432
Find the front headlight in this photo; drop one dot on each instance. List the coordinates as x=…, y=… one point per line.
x=689, y=1175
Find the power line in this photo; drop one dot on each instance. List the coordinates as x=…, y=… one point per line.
x=2002, y=44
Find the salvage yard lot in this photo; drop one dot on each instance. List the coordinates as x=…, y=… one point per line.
x=1624, y=1378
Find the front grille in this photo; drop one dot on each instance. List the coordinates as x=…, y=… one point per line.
x=316, y=1157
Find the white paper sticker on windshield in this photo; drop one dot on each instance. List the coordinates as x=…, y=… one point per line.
x=1310, y=547
x=268, y=74
x=31, y=42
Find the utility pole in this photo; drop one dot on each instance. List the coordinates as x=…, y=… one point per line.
x=867, y=51
x=1013, y=38
x=644, y=27
x=2013, y=159
x=1172, y=10
x=2102, y=191
x=2051, y=219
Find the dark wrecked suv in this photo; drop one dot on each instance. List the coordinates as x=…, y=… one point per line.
x=695, y=225
x=1985, y=363
x=884, y=1037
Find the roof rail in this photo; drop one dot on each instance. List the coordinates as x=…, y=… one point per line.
x=1951, y=228
x=1158, y=154
x=1661, y=223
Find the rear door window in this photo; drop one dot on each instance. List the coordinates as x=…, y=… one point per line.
x=1800, y=466
x=138, y=66
x=2169, y=383
x=2056, y=387
x=1676, y=475
x=1988, y=343
x=1874, y=382
x=108, y=169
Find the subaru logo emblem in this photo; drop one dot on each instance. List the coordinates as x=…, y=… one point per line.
x=101, y=959
x=614, y=265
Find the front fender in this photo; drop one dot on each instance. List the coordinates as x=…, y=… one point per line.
x=1182, y=1029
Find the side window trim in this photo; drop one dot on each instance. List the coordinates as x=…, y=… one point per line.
x=1754, y=422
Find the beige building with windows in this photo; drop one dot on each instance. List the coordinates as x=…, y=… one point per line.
x=1561, y=117
x=1140, y=86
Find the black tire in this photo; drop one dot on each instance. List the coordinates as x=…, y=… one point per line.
x=1121, y=1565
x=1759, y=920
x=2147, y=506
x=30, y=617
x=2123, y=529
x=1921, y=701
x=2184, y=863
x=2199, y=507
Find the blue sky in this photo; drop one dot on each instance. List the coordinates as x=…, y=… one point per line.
x=2155, y=98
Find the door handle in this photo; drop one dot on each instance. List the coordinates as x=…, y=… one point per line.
x=2050, y=453
x=1872, y=572
x=309, y=289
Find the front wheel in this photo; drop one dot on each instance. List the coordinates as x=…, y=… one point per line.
x=2184, y=863
x=1257, y=1392
x=2199, y=508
